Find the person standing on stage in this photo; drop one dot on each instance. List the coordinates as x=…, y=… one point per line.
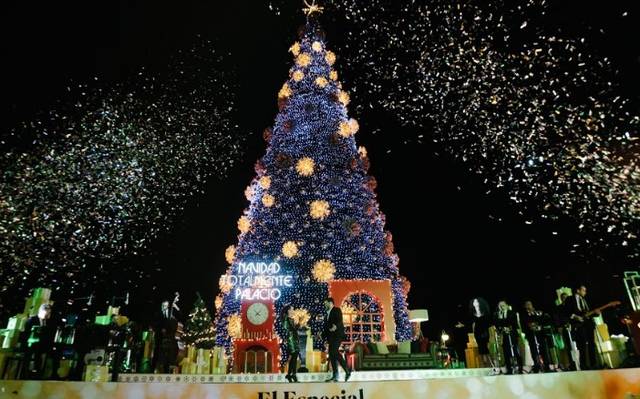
x=506, y=323
x=533, y=324
x=333, y=333
x=293, y=343
x=582, y=327
x=166, y=346
x=36, y=341
x=480, y=324
x=561, y=336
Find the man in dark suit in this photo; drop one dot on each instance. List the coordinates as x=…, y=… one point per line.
x=166, y=346
x=334, y=334
x=534, y=323
x=582, y=327
x=36, y=342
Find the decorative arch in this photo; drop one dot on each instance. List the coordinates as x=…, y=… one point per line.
x=379, y=290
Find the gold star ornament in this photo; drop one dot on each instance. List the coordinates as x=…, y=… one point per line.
x=312, y=8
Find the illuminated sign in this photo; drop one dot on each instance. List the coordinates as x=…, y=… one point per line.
x=258, y=280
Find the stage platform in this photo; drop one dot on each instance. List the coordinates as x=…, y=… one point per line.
x=391, y=375
x=610, y=384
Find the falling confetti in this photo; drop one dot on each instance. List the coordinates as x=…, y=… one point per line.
x=537, y=115
x=99, y=179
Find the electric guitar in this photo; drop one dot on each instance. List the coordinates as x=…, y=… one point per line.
x=601, y=308
x=589, y=313
x=575, y=352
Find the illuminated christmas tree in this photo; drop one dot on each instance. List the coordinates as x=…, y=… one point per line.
x=199, y=330
x=313, y=217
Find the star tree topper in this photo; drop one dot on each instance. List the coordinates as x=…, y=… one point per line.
x=312, y=8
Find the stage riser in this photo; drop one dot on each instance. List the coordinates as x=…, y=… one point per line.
x=610, y=384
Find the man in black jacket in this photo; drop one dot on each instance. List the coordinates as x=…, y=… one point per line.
x=334, y=334
x=534, y=323
x=166, y=346
x=582, y=327
x=36, y=341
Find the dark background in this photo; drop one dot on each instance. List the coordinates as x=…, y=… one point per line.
x=454, y=241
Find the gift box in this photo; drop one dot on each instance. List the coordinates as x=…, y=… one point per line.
x=472, y=357
x=471, y=342
x=314, y=361
x=192, y=353
x=147, y=353
x=17, y=322
x=203, y=361
x=105, y=320
x=96, y=373
x=10, y=338
x=619, y=342
x=196, y=361
x=218, y=361
x=186, y=366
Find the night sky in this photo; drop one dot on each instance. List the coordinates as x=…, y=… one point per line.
x=454, y=240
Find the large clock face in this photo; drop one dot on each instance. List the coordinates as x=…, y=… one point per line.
x=257, y=313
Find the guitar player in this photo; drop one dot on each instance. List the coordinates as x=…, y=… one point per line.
x=582, y=327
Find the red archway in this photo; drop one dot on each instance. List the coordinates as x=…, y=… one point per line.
x=340, y=290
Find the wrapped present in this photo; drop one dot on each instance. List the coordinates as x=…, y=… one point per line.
x=9, y=338
x=604, y=344
x=471, y=343
x=603, y=331
x=148, y=343
x=96, y=373
x=619, y=342
x=203, y=361
x=218, y=361
x=148, y=337
x=185, y=366
x=103, y=320
x=314, y=361
x=309, y=341
x=309, y=360
x=41, y=293
x=192, y=353
x=17, y=322
x=472, y=357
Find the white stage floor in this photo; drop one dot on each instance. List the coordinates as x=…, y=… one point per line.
x=358, y=376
